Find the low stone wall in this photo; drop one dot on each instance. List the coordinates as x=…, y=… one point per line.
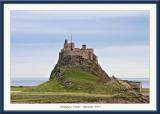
x=137, y=85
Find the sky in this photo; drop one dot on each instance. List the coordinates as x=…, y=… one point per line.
x=120, y=40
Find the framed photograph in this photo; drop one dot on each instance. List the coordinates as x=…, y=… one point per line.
x=80, y=57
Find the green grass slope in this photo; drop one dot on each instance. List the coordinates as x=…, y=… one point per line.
x=82, y=82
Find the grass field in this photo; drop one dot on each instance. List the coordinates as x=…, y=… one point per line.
x=145, y=90
x=65, y=97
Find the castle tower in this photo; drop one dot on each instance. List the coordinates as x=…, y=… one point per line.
x=65, y=41
x=68, y=46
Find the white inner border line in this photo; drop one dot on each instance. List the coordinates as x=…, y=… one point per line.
x=58, y=106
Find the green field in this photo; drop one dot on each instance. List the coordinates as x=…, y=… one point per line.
x=64, y=97
x=84, y=88
x=145, y=90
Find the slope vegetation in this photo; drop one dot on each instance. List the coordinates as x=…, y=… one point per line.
x=74, y=80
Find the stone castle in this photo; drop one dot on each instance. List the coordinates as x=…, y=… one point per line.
x=87, y=53
x=84, y=59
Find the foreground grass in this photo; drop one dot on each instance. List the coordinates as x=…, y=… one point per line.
x=145, y=90
x=62, y=97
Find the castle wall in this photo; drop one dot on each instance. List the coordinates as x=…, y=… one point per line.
x=95, y=58
x=86, y=53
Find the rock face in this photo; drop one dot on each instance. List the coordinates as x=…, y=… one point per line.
x=69, y=60
x=77, y=62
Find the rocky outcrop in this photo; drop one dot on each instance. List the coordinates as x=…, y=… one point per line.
x=78, y=62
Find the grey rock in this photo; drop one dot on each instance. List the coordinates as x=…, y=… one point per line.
x=78, y=62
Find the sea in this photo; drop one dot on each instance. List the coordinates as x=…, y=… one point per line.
x=34, y=82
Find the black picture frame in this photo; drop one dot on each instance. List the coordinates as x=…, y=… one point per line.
x=79, y=2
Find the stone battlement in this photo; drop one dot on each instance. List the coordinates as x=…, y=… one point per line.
x=87, y=53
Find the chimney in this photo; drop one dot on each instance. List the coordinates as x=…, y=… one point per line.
x=83, y=46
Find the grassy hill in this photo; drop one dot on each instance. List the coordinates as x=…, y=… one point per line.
x=80, y=82
x=83, y=87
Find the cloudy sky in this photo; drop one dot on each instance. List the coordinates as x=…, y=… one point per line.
x=120, y=40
